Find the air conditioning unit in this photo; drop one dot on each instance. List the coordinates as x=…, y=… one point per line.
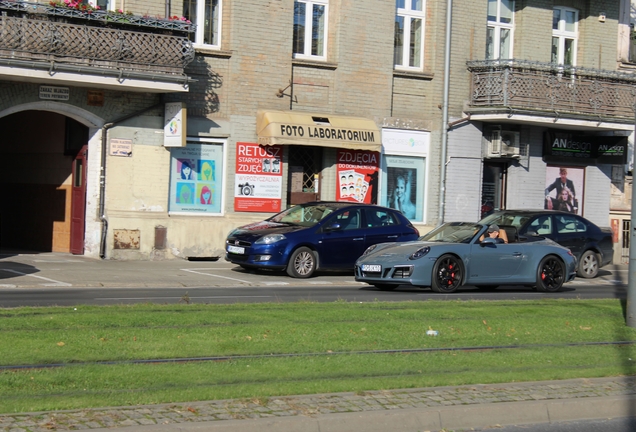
x=504, y=144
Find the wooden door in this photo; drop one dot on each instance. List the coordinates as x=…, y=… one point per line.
x=78, y=202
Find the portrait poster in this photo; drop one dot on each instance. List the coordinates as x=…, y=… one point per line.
x=357, y=173
x=258, y=182
x=403, y=185
x=564, y=188
x=196, y=178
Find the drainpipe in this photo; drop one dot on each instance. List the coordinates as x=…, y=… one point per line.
x=442, y=186
x=102, y=172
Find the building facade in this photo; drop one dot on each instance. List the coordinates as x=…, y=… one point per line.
x=135, y=136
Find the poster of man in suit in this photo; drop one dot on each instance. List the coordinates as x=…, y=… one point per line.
x=564, y=189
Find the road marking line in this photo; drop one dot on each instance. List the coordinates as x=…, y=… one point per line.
x=170, y=297
x=275, y=283
x=222, y=277
x=320, y=283
x=55, y=282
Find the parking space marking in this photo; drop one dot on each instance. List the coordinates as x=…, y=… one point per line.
x=54, y=284
x=213, y=275
x=275, y=283
x=320, y=283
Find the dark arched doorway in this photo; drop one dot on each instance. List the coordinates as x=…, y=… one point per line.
x=38, y=152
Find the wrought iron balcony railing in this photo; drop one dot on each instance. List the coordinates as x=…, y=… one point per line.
x=58, y=9
x=547, y=89
x=57, y=46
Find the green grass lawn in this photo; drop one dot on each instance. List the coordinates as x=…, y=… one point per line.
x=88, y=356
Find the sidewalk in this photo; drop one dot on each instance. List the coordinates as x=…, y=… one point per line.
x=428, y=409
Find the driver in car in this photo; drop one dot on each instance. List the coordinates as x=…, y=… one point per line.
x=496, y=233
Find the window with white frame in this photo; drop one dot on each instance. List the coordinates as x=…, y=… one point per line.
x=206, y=15
x=101, y=4
x=500, y=28
x=408, y=45
x=564, y=35
x=310, y=29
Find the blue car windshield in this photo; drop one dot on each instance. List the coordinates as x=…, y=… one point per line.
x=454, y=232
x=303, y=215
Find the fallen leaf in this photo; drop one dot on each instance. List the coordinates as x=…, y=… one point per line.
x=192, y=410
x=484, y=321
x=61, y=344
x=585, y=328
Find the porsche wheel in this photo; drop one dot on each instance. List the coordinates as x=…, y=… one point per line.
x=448, y=273
x=588, y=265
x=385, y=287
x=302, y=263
x=550, y=274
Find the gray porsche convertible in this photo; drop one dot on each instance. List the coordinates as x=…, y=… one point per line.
x=460, y=253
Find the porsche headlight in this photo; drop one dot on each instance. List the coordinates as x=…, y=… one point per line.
x=369, y=250
x=270, y=239
x=420, y=253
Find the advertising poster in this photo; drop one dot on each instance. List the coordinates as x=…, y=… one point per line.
x=403, y=185
x=196, y=178
x=259, y=178
x=357, y=176
x=564, y=189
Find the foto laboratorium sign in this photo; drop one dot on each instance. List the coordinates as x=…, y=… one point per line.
x=54, y=93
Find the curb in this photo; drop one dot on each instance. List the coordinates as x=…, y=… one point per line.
x=423, y=419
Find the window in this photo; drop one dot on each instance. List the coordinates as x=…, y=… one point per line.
x=564, y=35
x=102, y=4
x=196, y=177
x=310, y=29
x=379, y=218
x=500, y=29
x=205, y=14
x=409, y=34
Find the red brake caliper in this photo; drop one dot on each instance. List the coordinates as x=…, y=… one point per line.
x=450, y=281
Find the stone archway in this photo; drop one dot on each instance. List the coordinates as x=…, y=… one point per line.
x=35, y=172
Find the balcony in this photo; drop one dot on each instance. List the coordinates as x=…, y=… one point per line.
x=46, y=44
x=545, y=92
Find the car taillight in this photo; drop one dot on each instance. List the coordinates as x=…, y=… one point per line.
x=415, y=229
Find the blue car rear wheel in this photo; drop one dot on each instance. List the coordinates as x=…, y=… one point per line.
x=448, y=273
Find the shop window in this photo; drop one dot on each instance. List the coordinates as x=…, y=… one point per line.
x=196, y=177
x=403, y=185
x=305, y=165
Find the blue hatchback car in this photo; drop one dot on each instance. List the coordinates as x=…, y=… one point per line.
x=316, y=236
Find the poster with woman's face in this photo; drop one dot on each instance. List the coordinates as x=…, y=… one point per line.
x=403, y=185
x=564, y=189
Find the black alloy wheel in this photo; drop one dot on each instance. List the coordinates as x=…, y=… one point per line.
x=448, y=273
x=550, y=274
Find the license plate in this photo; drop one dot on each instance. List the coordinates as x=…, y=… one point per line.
x=236, y=249
x=371, y=268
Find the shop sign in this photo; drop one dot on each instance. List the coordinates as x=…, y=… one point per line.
x=357, y=176
x=258, y=182
x=174, y=125
x=406, y=142
x=563, y=146
x=54, y=93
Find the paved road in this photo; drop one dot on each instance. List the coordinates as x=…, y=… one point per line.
x=63, y=279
